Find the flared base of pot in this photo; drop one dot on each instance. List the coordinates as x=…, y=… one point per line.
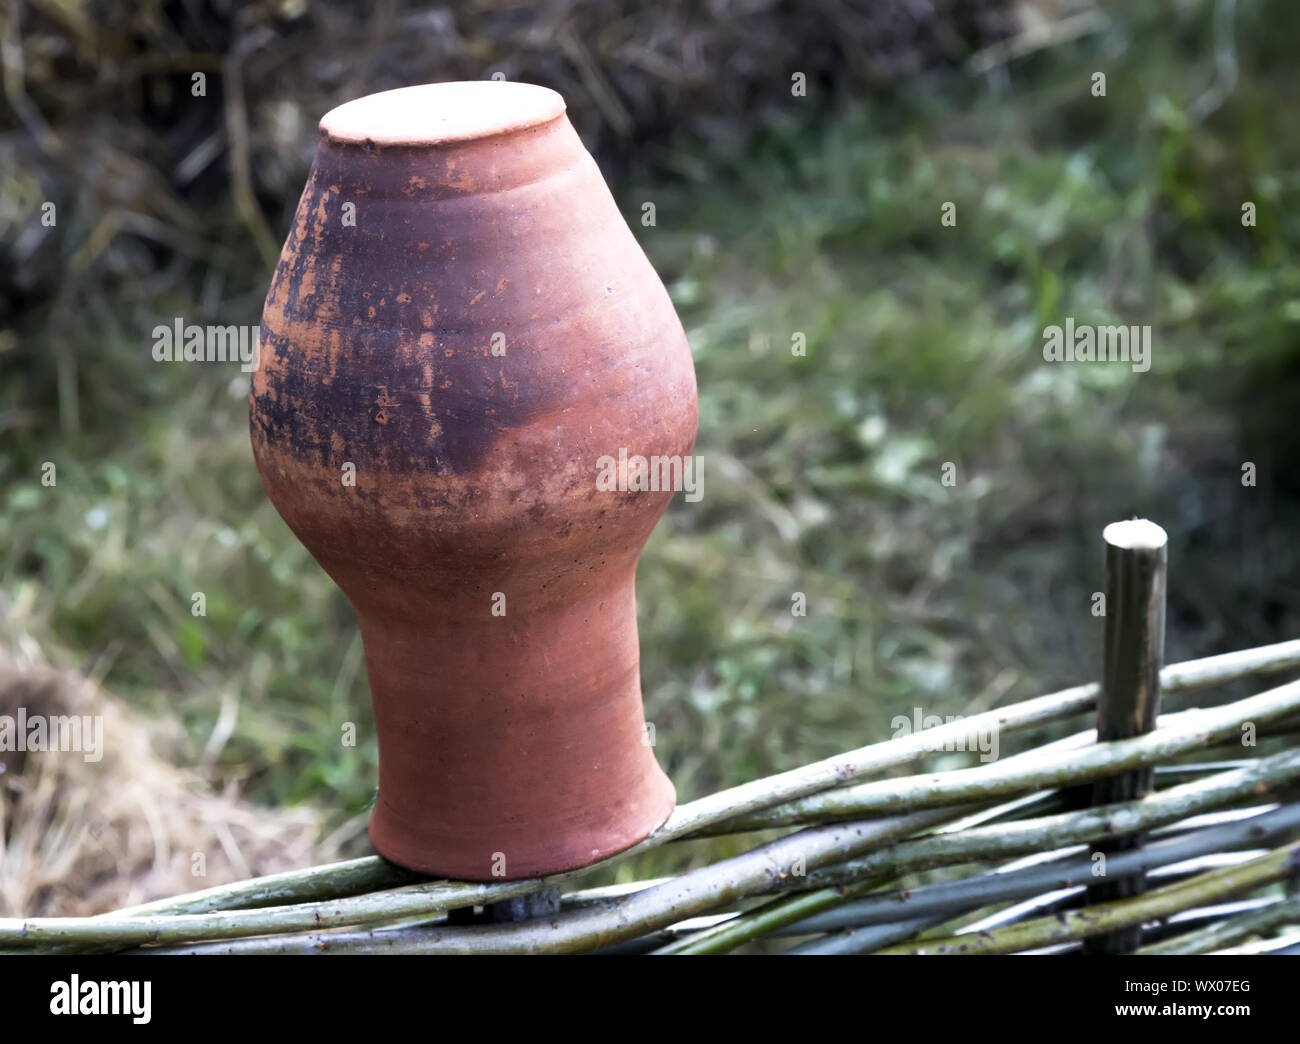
x=562, y=848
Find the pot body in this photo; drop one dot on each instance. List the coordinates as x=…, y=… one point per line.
x=442, y=365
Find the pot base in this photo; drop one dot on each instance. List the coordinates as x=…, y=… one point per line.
x=570, y=850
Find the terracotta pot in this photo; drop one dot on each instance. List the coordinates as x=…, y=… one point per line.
x=461, y=315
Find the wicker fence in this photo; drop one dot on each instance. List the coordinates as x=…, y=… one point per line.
x=1118, y=838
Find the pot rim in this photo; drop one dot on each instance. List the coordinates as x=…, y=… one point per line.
x=432, y=114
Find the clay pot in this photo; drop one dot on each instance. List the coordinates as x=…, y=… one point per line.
x=461, y=324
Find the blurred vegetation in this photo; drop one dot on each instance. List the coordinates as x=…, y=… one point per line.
x=822, y=473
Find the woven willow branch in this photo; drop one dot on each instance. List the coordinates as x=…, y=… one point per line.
x=1278, y=865
x=1194, y=731
x=952, y=898
x=315, y=884
x=855, y=878
x=1233, y=930
x=846, y=768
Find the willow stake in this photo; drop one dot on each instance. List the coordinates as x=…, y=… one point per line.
x=1129, y=701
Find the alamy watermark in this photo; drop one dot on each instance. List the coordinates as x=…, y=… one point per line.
x=72, y=996
x=638, y=474
x=189, y=342
x=1071, y=343
x=82, y=733
x=983, y=738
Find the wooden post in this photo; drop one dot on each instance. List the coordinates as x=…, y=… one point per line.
x=1130, y=688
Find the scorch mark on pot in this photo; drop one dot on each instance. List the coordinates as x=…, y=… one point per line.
x=474, y=406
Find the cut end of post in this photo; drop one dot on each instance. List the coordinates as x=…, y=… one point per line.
x=1137, y=534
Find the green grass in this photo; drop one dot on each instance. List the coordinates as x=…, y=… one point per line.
x=822, y=473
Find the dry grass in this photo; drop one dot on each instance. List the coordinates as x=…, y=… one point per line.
x=79, y=838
